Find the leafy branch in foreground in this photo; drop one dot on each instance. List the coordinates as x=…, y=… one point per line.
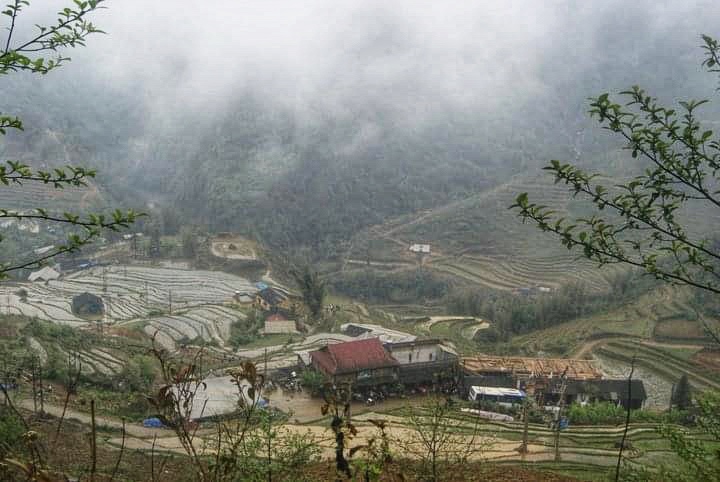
x=644, y=226
x=70, y=30
x=93, y=224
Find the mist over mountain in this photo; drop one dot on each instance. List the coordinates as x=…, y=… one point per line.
x=303, y=123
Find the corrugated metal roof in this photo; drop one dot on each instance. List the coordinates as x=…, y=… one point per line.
x=539, y=367
x=272, y=296
x=353, y=356
x=44, y=274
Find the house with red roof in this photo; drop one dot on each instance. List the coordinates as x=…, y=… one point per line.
x=361, y=362
x=278, y=323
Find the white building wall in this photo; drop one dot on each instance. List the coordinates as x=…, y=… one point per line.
x=416, y=354
x=280, y=326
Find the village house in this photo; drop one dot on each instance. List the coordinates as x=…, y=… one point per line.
x=44, y=274
x=278, y=323
x=361, y=363
x=420, y=248
x=369, y=362
x=367, y=330
x=604, y=390
x=44, y=250
x=272, y=299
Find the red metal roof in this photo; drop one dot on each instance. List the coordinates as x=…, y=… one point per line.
x=352, y=356
x=276, y=317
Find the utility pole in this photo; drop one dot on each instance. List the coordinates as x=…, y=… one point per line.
x=561, y=404
x=265, y=369
x=33, y=379
x=107, y=312
x=529, y=392
x=6, y=381
x=524, y=446
x=672, y=394
x=40, y=384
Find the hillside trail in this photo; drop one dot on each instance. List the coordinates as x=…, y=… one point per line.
x=449, y=207
x=131, y=428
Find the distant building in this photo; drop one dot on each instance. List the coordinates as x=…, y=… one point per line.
x=613, y=390
x=277, y=323
x=87, y=304
x=272, y=299
x=44, y=274
x=44, y=249
x=368, y=330
x=420, y=248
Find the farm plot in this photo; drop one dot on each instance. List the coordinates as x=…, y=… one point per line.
x=55, y=345
x=232, y=247
x=658, y=368
x=32, y=195
x=128, y=292
x=207, y=323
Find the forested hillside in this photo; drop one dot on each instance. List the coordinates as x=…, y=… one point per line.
x=306, y=172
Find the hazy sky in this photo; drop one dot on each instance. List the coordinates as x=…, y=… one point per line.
x=454, y=51
x=416, y=59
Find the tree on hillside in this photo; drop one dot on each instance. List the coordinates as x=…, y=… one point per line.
x=681, y=396
x=641, y=222
x=40, y=53
x=312, y=288
x=189, y=242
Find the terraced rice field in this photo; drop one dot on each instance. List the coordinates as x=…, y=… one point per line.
x=662, y=363
x=507, y=273
x=32, y=195
x=128, y=292
x=479, y=241
x=179, y=304
x=94, y=355
x=210, y=323
x=635, y=320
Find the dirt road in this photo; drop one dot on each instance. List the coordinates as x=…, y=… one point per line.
x=134, y=429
